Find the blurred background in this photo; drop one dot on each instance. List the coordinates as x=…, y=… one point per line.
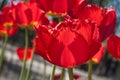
x=107, y=69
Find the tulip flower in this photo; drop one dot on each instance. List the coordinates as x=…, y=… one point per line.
x=59, y=6
x=105, y=19
x=31, y=14
x=7, y=21
x=68, y=44
x=113, y=46
x=25, y=57
x=21, y=52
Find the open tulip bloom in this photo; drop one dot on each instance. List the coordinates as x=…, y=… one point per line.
x=31, y=14
x=7, y=21
x=68, y=44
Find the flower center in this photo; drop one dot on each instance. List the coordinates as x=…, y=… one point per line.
x=8, y=24
x=55, y=16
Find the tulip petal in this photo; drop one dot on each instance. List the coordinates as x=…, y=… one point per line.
x=21, y=53
x=113, y=46
x=91, y=12
x=98, y=56
x=20, y=11
x=108, y=24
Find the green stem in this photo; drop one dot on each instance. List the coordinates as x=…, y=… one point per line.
x=90, y=70
x=3, y=51
x=44, y=71
x=28, y=72
x=53, y=72
x=62, y=74
x=22, y=74
x=70, y=72
x=26, y=0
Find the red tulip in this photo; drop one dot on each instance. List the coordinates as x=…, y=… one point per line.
x=21, y=53
x=7, y=21
x=113, y=46
x=104, y=19
x=58, y=6
x=69, y=43
x=28, y=14
x=98, y=56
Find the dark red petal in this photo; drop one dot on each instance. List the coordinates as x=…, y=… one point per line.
x=60, y=6
x=21, y=53
x=34, y=11
x=98, y=56
x=80, y=4
x=108, y=24
x=113, y=46
x=13, y=30
x=46, y=5
x=75, y=76
x=20, y=11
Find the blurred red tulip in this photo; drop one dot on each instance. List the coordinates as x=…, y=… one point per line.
x=113, y=46
x=98, y=56
x=21, y=53
x=69, y=43
x=29, y=14
x=58, y=6
x=104, y=19
x=7, y=21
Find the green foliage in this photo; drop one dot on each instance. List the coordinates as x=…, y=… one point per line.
x=2, y=4
x=19, y=38
x=101, y=3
